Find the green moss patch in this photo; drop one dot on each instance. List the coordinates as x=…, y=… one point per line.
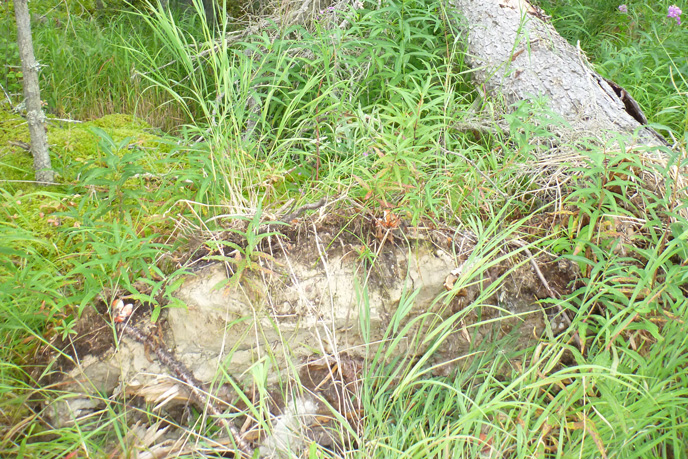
x=15, y=161
x=43, y=213
x=71, y=145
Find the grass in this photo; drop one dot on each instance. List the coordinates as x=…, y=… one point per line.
x=369, y=114
x=84, y=54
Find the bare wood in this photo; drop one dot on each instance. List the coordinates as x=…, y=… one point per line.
x=34, y=112
x=23, y=145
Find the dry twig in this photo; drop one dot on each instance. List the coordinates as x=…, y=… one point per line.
x=198, y=394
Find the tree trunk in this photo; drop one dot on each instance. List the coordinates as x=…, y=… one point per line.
x=209, y=8
x=517, y=55
x=32, y=94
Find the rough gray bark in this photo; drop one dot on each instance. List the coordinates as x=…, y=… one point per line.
x=516, y=54
x=32, y=94
x=209, y=8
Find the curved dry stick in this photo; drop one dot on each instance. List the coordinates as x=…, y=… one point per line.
x=297, y=213
x=198, y=394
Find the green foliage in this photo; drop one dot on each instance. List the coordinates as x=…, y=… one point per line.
x=80, y=57
x=365, y=107
x=643, y=51
x=526, y=402
x=624, y=248
x=630, y=306
x=9, y=52
x=65, y=247
x=243, y=258
x=370, y=112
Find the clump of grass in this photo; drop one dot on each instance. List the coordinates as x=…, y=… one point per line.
x=368, y=109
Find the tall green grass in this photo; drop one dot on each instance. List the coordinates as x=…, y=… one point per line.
x=87, y=71
x=367, y=109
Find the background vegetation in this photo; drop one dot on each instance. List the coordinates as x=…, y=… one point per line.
x=371, y=113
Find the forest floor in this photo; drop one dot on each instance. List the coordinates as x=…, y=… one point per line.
x=340, y=267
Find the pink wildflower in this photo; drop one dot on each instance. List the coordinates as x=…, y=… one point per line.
x=675, y=12
x=623, y=8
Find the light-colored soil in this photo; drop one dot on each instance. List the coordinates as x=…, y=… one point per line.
x=307, y=305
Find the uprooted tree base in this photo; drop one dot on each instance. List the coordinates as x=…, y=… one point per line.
x=315, y=304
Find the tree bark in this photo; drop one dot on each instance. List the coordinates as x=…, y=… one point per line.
x=32, y=95
x=209, y=8
x=517, y=55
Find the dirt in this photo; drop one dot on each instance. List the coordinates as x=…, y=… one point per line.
x=302, y=305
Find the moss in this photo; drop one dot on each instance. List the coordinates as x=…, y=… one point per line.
x=15, y=162
x=127, y=123
x=39, y=211
x=71, y=144
x=33, y=214
x=74, y=145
